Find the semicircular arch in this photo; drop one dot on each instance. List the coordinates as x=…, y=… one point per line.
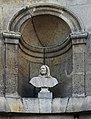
x=26, y=13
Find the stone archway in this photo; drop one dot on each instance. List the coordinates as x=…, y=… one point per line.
x=55, y=10
x=31, y=53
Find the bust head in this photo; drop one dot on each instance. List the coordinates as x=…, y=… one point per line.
x=45, y=71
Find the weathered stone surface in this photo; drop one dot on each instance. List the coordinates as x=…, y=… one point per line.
x=78, y=76
x=15, y=104
x=11, y=55
x=10, y=2
x=83, y=12
x=79, y=49
x=4, y=107
x=8, y=8
x=30, y=2
x=31, y=105
x=45, y=105
x=79, y=104
x=35, y=105
x=75, y=104
x=11, y=80
x=78, y=84
x=59, y=105
x=77, y=2
x=1, y=19
x=8, y=13
x=78, y=62
x=88, y=83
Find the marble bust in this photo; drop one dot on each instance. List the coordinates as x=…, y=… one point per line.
x=44, y=80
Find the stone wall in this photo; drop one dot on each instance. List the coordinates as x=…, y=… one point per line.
x=9, y=8
x=80, y=49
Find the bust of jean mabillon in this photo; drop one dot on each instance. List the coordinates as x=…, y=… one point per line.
x=44, y=80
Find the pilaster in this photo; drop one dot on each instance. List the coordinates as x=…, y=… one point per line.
x=11, y=41
x=79, y=63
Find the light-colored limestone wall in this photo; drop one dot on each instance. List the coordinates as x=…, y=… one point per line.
x=80, y=8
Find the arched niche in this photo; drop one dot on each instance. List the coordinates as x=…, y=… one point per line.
x=45, y=31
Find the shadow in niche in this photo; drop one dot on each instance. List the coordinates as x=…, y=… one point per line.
x=50, y=30
x=28, y=90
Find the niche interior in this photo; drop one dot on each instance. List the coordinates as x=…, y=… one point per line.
x=41, y=43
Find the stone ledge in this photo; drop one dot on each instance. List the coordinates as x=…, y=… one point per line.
x=61, y=105
x=35, y=105
x=10, y=104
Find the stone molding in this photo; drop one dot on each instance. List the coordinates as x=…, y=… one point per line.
x=79, y=37
x=11, y=37
x=51, y=51
x=30, y=11
x=26, y=13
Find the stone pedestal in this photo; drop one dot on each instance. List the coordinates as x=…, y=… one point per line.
x=45, y=101
x=45, y=95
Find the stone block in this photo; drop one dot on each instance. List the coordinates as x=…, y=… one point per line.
x=79, y=48
x=11, y=83
x=45, y=95
x=1, y=83
x=86, y=104
x=4, y=107
x=15, y=104
x=59, y=105
x=11, y=59
x=45, y=105
x=78, y=62
x=78, y=84
x=31, y=105
x=88, y=83
x=79, y=104
x=1, y=21
x=75, y=104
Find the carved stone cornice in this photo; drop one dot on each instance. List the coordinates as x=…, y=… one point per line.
x=79, y=37
x=11, y=37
